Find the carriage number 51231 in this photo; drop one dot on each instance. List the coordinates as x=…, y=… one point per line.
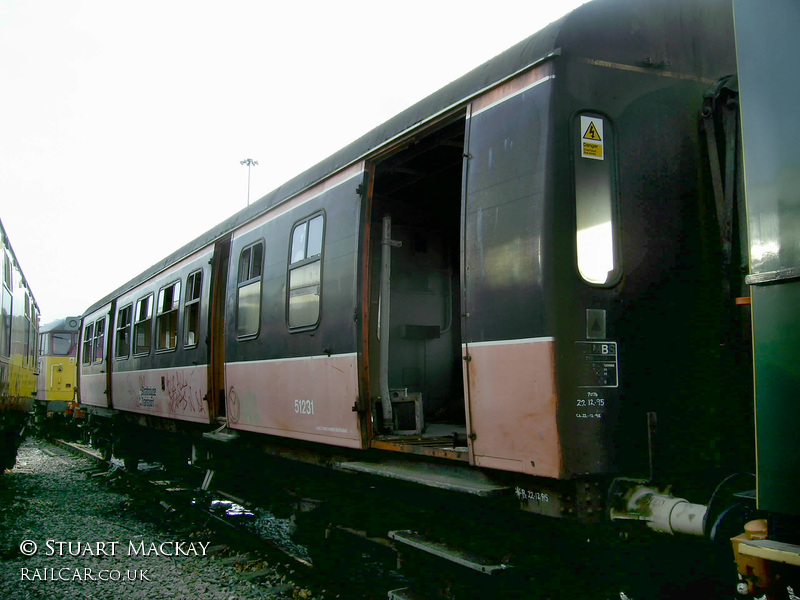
x=304, y=407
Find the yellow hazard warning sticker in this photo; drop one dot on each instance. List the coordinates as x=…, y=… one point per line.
x=592, y=138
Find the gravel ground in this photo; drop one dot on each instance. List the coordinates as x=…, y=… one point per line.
x=46, y=502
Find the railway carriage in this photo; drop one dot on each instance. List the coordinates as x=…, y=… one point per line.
x=19, y=325
x=532, y=281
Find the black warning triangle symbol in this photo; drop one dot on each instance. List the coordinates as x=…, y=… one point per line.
x=591, y=133
x=595, y=327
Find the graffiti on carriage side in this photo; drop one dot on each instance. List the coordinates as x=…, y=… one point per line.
x=234, y=408
x=182, y=396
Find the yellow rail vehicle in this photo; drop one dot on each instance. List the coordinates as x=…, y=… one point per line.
x=56, y=392
x=19, y=325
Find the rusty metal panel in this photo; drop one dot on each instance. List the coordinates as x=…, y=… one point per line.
x=309, y=398
x=513, y=406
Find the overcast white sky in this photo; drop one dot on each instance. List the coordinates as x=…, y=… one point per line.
x=122, y=124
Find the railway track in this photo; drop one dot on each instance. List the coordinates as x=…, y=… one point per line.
x=275, y=535
x=246, y=536
x=179, y=494
x=75, y=528
x=360, y=560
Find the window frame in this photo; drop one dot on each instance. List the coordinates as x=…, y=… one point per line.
x=34, y=335
x=99, y=340
x=138, y=322
x=6, y=305
x=86, y=344
x=171, y=316
x=50, y=339
x=301, y=264
x=192, y=306
x=252, y=279
x=118, y=329
x=593, y=177
x=26, y=336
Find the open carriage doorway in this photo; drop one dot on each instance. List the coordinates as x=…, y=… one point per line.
x=414, y=345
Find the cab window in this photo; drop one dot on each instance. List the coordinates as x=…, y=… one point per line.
x=62, y=343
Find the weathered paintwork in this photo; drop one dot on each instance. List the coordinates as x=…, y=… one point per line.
x=513, y=409
x=309, y=398
x=173, y=393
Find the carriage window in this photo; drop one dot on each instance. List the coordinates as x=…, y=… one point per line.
x=142, y=327
x=194, y=286
x=169, y=301
x=122, y=345
x=26, y=346
x=98, y=345
x=34, y=336
x=6, y=270
x=595, y=200
x=305, y=273
x=88, y=337
x=5, y=310
x=248, y=293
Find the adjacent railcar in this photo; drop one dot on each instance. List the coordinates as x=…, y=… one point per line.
x=57, y=389
x=530, y=279
x=768, y=551
x=19, y=328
